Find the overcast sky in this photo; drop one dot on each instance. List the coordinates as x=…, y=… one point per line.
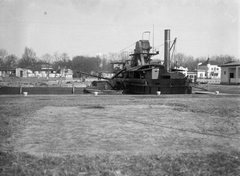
x=88, y=27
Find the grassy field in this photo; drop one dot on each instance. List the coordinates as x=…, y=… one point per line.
x=120, y=135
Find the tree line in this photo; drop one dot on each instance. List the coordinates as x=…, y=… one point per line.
x=88, y=64
x=30, y=60
x=191, y=63
x=56, y=61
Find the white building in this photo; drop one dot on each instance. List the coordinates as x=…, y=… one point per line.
x=182, y=70
x=107, y=74
x=67, y=73
x=230, y=73
x=192, y=76
x=14, y=72
x=208, y=70
x=51, y=73
x=201, y=73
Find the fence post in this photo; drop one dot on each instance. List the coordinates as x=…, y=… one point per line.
x=73, y=88
x=20, y=89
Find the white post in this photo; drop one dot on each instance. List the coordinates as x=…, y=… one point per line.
x=61, y=78
x=237, y=77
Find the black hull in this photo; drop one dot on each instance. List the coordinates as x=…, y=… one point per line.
x=165, y=86
x=141, y=89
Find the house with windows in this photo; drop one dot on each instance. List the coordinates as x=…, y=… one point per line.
x=181, y=70
x=37, y=72
x=118, y=65
x=43, y=72
x=52, y=73
x=230, y=73
x=192, y=75
x=66, y=73
x=201, y=74
x=208, y=69
x=14, y=72
x=7, y=72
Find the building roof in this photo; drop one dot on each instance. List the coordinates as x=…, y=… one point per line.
x=7, y=69
x=192, y=72
x=199, y=70
x=208, y=61
x=230, y=64
x=43, y=69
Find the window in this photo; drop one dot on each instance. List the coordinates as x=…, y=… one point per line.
x=224, y=72
x=231, y=75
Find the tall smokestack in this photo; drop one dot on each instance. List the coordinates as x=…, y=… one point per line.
x=167, y=50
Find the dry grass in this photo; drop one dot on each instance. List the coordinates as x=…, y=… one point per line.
x=120, y=135
x=217, y=163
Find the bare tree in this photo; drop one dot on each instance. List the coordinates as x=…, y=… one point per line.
x=113, y=56
x=183, y=60
x=10, y=61
x=223, y=59
x=56, y=57
x=124, y=56
x=62, y=61
x=48, y=58
x=28, y=58
x=64, y=57
x=3, y=55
